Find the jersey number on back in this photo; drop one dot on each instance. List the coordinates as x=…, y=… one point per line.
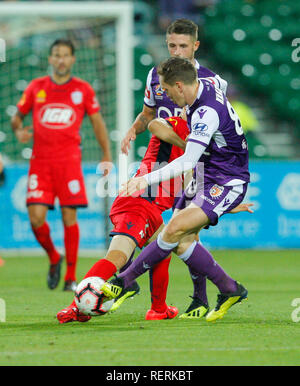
x=233, y=115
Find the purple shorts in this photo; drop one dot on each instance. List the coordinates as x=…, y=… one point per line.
x=215, y=200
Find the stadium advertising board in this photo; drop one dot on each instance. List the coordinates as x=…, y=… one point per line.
x=275, y=223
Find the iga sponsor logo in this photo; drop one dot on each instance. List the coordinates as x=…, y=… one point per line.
x=57, y=116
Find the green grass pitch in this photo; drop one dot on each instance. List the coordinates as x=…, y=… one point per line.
x=257, y=332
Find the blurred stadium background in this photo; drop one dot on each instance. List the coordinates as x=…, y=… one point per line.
x=252, y=44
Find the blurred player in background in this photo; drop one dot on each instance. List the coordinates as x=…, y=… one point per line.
x=138, y=220
x=182, y=41
x=58, y=103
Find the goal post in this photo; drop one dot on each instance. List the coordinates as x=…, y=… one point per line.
x=121, y=13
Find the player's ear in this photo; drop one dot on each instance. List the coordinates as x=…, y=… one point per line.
x=179, y=86
x=196, y=45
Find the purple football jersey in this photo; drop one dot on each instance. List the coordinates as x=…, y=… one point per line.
x=215, y=125
x=157, y=98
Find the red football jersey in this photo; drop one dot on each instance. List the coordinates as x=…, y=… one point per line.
x=158, y=154
x=57, y=113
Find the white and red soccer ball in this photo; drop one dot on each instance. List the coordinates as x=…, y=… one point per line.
x=89, y=298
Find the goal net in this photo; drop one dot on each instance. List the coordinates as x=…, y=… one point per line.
x=101, y=33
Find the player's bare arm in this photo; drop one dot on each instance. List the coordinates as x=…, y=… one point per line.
x=101, y=135
x=133, y=186
x=139, y=126
x=162, y=130
x=23, y=134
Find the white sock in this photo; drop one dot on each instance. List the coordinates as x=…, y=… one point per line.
x=164, y=245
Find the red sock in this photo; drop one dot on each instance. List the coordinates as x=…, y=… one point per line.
x=103, y=268
x=42, y=234
x=159, y=284
x=71, y=248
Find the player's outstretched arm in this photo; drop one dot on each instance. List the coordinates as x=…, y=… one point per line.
x=242, y=208
x=162, y=130
x=139, y=126
x=23, y=134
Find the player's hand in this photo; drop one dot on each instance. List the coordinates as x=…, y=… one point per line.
x=105, y=166
x=125, y=144
x=25, y=134
x=134, y=185
x=242, y=208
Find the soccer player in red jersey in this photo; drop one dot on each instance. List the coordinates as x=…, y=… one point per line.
x=58, y=103
x=136, y=221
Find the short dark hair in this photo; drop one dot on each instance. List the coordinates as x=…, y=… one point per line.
x=62, y=42
x=183, y=27
x=177, y=70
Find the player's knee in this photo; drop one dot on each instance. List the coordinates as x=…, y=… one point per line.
x=69, y=216
x=181, y=248
x=36, y=221
x=173, y=230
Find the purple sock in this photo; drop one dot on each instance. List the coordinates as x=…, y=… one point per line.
x=199, y=283
x=149, y=256
x=201, y=261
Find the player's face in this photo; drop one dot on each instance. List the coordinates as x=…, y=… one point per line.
x=182, y=46
x=175, y=93
x=61, y=60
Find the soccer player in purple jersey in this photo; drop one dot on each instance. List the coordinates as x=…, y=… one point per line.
x=182, y=41
x=218, y=145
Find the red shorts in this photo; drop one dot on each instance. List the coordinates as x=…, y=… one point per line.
x=136, y=218
x=50, y=179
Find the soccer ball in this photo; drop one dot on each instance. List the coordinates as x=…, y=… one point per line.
x=89, y=298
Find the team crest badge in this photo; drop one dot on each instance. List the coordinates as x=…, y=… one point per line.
x=158, y=90
x=216, y=191
x=41, y=96
x=74, y=186
x=76, y=97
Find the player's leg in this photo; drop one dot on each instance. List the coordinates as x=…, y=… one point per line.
x=71, y=241
x=70, y=189
x=40, y=198
x=221, y=200
x=199, y=304
x=159, y=280
x=188, y=221
x=120, y=250
x=37, y=216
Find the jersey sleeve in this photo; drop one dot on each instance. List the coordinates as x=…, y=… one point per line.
x=204, y=123
x=217, y=81
x=90, y=101
x=25, y=104
x=149, y=98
